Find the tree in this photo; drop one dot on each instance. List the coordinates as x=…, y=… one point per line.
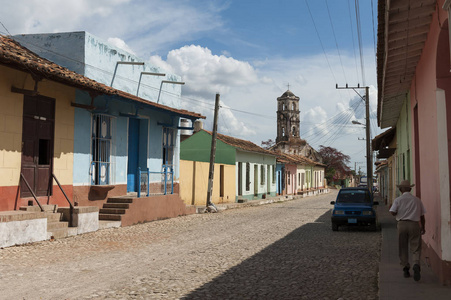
x=336, y=163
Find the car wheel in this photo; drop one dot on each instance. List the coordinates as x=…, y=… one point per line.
x=334, y=226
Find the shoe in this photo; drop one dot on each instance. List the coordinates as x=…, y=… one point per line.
x=416, y=272
x=406, y=272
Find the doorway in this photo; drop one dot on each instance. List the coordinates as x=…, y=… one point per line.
x=255, y=180
x=37, y=145
x=133, y=155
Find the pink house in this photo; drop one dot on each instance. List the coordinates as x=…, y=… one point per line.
x=414, y=82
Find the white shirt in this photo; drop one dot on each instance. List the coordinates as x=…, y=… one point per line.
x=408, y=207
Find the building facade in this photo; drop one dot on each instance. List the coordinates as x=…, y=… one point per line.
x=242, y=169
x=414, y=96
x=115, y=138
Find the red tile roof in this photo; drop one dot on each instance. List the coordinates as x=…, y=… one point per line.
x=296, y=159
x=13, y=55
x=241, y=144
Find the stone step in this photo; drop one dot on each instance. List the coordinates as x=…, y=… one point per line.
x=56, y=225
x=47, y=208
x=120, y=200
x=58, y=233
x=113, y=217
x=116, y=205
x=53, y=217
x=104, y=224
x=120, y=211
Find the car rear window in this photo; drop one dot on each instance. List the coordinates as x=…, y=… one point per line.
x=353, y=196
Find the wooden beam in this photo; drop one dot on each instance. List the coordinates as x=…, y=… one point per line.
x=407, y=40
x=391, y=73
x=404, y=34
x=405, y=4
x=403, y=44
x=85, y=106
x=412, y=27
x=397, y=15
x=31, y=93
x=403, y=54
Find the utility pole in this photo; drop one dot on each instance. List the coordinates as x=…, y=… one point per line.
x=212, y=157
x=369, y=157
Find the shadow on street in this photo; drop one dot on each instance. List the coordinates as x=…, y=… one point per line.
x=311, y=262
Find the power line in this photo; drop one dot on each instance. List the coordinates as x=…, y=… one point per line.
x=359, y=36
x=374, y=32
x=336, y=43
x=320, y=41
x=352, y=34
x=5, y=28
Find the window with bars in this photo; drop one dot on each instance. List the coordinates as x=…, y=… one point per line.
x=102, y=138
x=168, y=146
x=263, y=175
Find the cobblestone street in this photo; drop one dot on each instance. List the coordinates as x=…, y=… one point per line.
x=279, y=251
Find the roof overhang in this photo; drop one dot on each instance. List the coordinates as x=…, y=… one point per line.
x=403, y=26
x=386, y=153
x=382, y=140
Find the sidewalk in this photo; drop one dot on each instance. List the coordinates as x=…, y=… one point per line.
x=392, y=284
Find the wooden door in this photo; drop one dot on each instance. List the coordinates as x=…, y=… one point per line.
x=37, y=145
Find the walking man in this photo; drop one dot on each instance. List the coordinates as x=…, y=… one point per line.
x=409, y=212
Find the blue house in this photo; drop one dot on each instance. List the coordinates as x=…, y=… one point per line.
x=117, y=136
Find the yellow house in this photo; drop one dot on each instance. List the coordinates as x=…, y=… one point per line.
x=36, y=126
x=194, y=170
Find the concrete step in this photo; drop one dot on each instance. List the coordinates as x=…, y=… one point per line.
x=104, y=224
x=120, y=211
x=56, y=225
x=53, y=217
x=116, y=205
x=58, y=233
x=47, y=208
x=111, y=217
x=120, y=200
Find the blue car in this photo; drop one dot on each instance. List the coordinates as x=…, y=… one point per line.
x=354, y=206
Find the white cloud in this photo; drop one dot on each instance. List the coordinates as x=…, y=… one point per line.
x=205, y=73
x=148, y=26
x=117, y=42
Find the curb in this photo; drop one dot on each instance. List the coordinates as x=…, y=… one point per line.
x=258, y=202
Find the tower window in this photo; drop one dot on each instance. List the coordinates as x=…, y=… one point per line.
x=294, y=131
x=283, y=106
x=293, y=106
x=283, y=131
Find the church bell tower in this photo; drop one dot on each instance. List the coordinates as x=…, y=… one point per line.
x=288, y=118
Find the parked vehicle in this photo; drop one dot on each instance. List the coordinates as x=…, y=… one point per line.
x=354, y=206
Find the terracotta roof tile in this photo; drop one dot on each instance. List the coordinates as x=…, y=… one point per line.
x=241, y=144
x=296, y=159
x=14, y=55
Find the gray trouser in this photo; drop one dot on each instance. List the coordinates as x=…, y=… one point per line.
x=409, y=235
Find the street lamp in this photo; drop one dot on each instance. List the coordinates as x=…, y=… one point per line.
x=357, y=123
x=167, y=81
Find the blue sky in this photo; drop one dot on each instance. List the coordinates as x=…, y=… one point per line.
x=247, y=50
